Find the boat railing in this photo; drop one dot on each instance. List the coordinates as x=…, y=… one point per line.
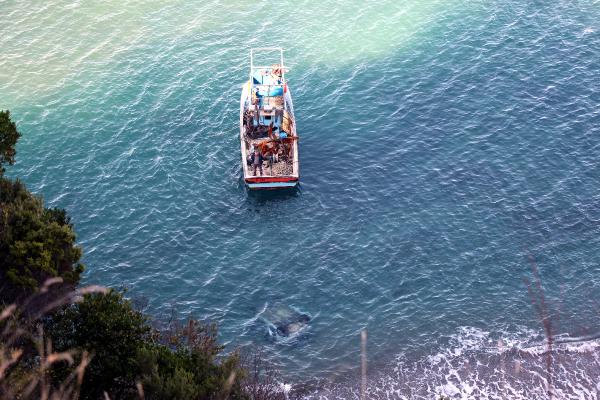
x=262, y=85
x=267, y=67
x=280, y=66
x=266, y=49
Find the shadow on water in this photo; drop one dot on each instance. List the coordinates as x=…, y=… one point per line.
x=260, y=197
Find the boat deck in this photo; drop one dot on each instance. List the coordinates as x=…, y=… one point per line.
x=267, y=124
x=279, y=168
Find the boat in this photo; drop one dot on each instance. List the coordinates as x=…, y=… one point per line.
x=267, y=125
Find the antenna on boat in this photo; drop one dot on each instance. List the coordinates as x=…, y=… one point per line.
x=282, y=77
x=282, y=66
x=251, y=65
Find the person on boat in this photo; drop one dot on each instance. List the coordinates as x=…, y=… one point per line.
x=257, y=161
x=250, y=156
x=276, y=71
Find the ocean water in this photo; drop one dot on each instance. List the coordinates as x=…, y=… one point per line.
x=443, y=145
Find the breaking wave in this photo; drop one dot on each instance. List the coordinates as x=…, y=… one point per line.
x=479, y=365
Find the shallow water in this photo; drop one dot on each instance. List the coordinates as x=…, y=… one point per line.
x=442, y=143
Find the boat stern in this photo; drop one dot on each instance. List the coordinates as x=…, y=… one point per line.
x=268, y=182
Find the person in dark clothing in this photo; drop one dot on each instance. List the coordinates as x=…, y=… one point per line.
x=257, y=161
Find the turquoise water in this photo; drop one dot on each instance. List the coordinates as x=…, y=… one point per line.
x=442, y=143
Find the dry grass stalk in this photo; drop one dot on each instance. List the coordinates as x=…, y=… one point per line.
x=363, y=364
x=26, y=356
x=538, y=300
x=262, y=381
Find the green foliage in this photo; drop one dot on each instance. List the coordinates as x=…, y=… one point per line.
x=112, y=331
x=189, y=368
x=182, y=364
x=57, y=215
x=35, y=243
x=8, y=140
x=166, y=375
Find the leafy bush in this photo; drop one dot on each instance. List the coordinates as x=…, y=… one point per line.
x=8, y=140
x=188, y=373
x=108, y=328
x=36, y=243
x=126, y=351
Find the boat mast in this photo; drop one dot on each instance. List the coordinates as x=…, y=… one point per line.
x=282, y=76
x=251, y=71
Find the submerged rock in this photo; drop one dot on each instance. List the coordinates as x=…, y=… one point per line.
x=293, y=327
x=284, y=320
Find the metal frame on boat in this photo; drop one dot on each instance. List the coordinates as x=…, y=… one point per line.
x=267, y=123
